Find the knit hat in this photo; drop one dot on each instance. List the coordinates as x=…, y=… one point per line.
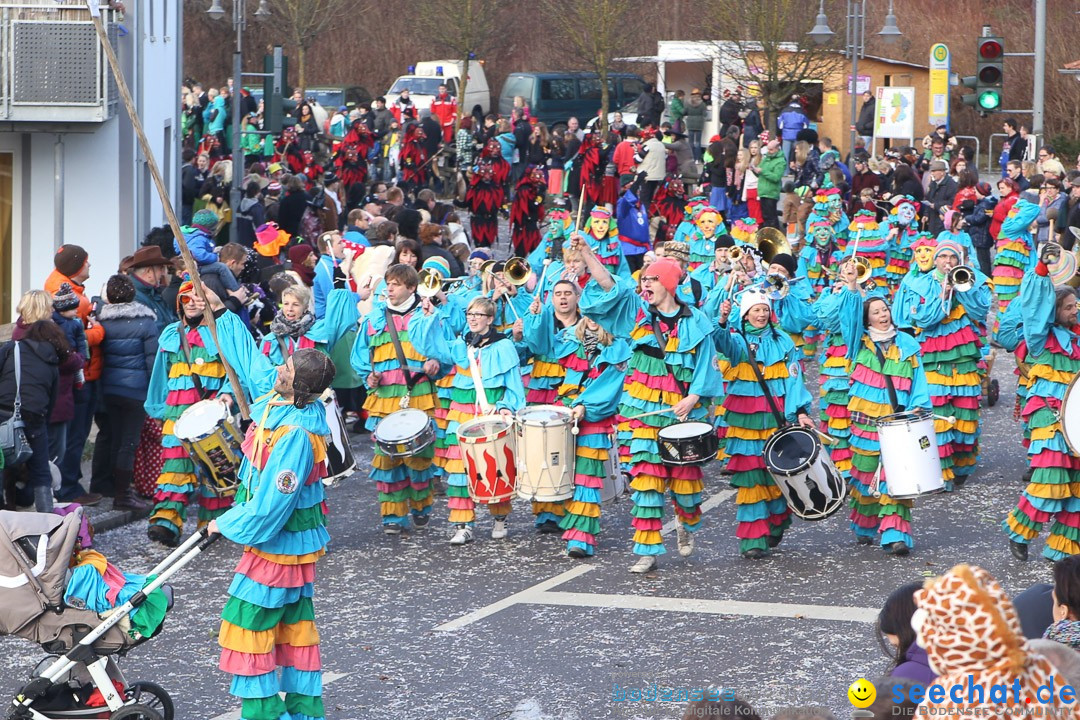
x=983, y=189
x=725, y=241
x=65, y=298
x=764, y=137
x=677, y=251
x=750, y=298
x=70, y=259
x=119, y=289
x=438, y=264
x=480, y=254
x=205, y=220
x=945, y=246
x=787, y=262
x=668, y=272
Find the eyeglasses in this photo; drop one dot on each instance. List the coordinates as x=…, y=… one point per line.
x=650, y=278
x=477, y=315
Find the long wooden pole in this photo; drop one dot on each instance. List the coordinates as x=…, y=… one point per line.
x=163, y=193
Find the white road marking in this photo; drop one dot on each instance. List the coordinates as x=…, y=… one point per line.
x=514, y=599
x=327, y=678
x=709, y=504
x=708, y=607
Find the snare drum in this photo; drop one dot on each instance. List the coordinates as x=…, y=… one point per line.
x=487, y=450
x=339, y=457
x=213, y=443
x=614, y=480
x=811, y=485
x=405, y=433
x=546, y=448
x=909, y=454
x=688, y=443
x=1070, y=416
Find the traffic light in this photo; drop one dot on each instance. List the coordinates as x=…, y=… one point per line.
x=987, y=80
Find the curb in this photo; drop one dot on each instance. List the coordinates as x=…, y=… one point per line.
x=104, y=518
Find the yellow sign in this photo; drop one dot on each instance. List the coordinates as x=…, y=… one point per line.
x=832, y=99
x=939, y=85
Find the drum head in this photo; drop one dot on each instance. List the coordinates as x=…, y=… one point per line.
x=482, y=427
x=200, y=419
x=791, y=451
x=543, y=415
x=402, y=425
x=683, y=430
x=1070, y=415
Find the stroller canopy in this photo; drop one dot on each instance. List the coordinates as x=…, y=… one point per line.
x=35, y=553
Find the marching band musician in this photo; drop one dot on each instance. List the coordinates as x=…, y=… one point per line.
x=385, y=355
x=595, y=367
x=1015, y=256
x=947, y=321
x=437, y=335
x=716, y=272
x=764, y=380
x=904, y=226
x=793, y=310
x=818, y=261
x=187, y=369
x=884, y=363
x=269, y=642
x=672, y=365
x=551, y=242
x=1053, y=357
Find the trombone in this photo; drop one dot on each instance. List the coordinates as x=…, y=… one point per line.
x=432, y=283
x=962, y=278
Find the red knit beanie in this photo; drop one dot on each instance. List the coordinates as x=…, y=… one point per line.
x=669, y=273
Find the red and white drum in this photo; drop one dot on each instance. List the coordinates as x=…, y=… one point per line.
x=488, y=452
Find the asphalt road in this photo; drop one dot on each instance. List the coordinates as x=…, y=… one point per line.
x=414, y=628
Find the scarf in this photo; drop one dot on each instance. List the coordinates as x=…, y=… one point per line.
x=477, y=340
x=1066, y=632
x=885, y=336
x=404, y=307
x=295, y=329
x=590, y=339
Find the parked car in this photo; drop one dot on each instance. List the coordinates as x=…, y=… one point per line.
x=423, y=84
x=555, y=97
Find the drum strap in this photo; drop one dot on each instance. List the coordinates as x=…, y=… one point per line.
x=186, y=348
x=780, y=422
x=661, y=342
x=888, y=379
x=410, y=378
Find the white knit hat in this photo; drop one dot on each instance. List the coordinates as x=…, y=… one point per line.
x=750, y=298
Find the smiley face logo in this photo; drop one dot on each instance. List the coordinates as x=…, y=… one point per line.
x=862, y=693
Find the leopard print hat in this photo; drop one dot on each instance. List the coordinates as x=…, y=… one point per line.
x=968, y=626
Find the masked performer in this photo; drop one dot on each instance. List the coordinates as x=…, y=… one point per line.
x=486, y=194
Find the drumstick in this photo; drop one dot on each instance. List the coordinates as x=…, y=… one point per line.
x=825, y=437
x=581, y=204
x=951, y=419
x=540, y=282
x=650, y=414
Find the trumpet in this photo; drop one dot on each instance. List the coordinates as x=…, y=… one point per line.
x=961, y=278
x=863, y=271
x=735, y=254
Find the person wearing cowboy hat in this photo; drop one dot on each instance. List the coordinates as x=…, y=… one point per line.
x=149, y=271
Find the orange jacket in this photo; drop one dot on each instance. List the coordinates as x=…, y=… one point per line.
x=95, y=334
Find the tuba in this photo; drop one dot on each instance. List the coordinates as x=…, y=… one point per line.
x=771, y=242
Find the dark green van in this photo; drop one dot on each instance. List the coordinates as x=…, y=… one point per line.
x=555, y=97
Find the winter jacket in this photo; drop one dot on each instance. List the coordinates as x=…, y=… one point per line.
x=151, y=297
x=939, y=195
x=201, y=246
x=770, y=172
x=507, y=143
x=94, y=335
x=131, y=341
x=865, y=124
x=676, y=110
x=1001, y=211
x=684, y=156
x=809, y=174
x=791, y=121
x=74, y=332
x=215, y=115
x=979, y=222
x=63, y=408
x=916, y=666
x=752, y=127
x=382, y=120
x=39, y=379
x=653, y=162
x=695, y=116
x=859, y=181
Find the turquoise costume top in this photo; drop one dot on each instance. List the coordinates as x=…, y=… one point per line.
x=182, y=386
x=772, y=348
x=599, y=395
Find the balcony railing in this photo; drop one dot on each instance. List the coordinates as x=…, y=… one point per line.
x=52, y=67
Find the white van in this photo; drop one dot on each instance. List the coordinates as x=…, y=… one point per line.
x=423, y=84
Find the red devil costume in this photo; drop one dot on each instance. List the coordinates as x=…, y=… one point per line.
x=669, y=203
x=487, y=193
x=527, y=212
x=312, y=170
x=288, y=151
x=414, y=158
x=351, y=157
x=592, y=170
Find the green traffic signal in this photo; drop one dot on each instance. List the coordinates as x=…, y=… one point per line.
x=990, y=100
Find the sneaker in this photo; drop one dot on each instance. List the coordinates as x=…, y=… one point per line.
x=161, y=534
x=686, y=540
x=549, y=526
x=498, y=530
x=420, y=520
x=645, y=563
x=463, y=535
x=391, y=529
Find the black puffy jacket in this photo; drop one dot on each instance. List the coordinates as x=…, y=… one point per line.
x=38, y=384
x=131, y=341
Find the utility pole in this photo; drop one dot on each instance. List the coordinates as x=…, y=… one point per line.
x=1038, y=97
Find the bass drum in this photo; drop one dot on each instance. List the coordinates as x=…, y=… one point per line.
x=1070, y=416
x=340, y=463
x=806, y=476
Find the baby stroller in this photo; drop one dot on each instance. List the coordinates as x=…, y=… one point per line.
x=80, y=677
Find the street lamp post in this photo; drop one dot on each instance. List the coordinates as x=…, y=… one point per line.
x=239, y=19
x=855, y=46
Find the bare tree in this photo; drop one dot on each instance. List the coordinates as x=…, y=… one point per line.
x=301, y=22
x=469, y=29
x=596, y=31
x=775, y=54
